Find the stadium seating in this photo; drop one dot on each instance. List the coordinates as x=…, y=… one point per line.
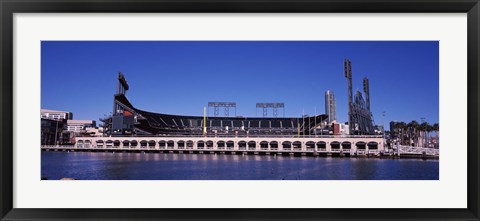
x=166, y=124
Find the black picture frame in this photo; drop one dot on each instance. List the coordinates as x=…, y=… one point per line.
x=9, y=7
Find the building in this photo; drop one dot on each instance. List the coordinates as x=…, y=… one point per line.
x=52, y=131
x=80, y=126
x=55, y=114
x=330, y=106
x=340, y=129
x=379, y=129
x=94, y=131
x=393, y=131
x=54, y=127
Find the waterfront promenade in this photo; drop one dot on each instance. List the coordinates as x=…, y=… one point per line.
x=281, y=145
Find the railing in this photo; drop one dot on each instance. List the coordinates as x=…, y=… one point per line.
x=254, y=136
x=396, y=149
x=417, y=150
x=60, y=146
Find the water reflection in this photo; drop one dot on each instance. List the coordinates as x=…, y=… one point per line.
x=160, y=166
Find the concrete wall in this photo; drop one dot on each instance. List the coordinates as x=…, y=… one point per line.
x=91, y=142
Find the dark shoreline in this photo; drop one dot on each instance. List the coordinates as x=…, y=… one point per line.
x=240, y=152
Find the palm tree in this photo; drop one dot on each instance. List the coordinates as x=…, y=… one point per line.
x=419, y=135
x=396, y=128
x=429, y=130
x=423, y=127
x=402, y=126
x=436, y=129
x=413, y=126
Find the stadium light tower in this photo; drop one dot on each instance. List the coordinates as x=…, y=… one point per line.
x=226, y=105
x=274, y=106
x=366, y=90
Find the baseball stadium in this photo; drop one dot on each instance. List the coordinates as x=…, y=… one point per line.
x=131, y=129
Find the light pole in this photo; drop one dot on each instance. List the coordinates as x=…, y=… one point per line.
x=383, y=127
x=315, y=119
x=423, y=132
x=303, y=122
x=56, y=129
x=309, y=127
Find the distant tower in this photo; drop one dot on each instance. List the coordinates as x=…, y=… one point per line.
x=366, y=90
x=330, y=106
x=348, y=74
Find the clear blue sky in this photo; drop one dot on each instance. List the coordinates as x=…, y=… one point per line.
x=181, y=77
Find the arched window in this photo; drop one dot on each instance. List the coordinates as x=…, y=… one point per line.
x=189, y=144
x=242, y=145
x=181, y=144
x=346, y=145
x=372, y=145
x=230, y=144
x=151, y=144
x=221, y=144
x=310, y=145
x=116, y=144
x=126, y=144
x=133, y=144
x=162, y=144
x=297, y=145
x=273, y=145
x=170, y=144
x=321, y=145
x=252, y=144
x=209, y=144
x=143, y=144
x=335, y=145
x=200, y=144
x=361, y=145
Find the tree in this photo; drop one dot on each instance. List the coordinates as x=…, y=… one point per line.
x=401, y=126
x=424, y=128
x=413, y=128
x=396, y=129
x=436, y=129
